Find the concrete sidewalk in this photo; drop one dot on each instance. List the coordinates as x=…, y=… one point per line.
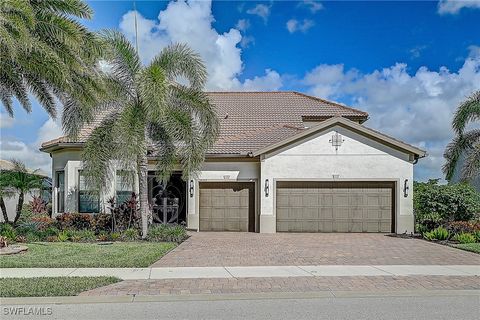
x=246, y=272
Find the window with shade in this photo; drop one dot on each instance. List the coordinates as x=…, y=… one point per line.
x=124, y=187
x=88, y=200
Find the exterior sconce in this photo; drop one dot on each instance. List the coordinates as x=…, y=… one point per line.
x=405, y=188
x=191, y=188
x=267, y=188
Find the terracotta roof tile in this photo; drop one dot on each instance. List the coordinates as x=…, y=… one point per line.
x=251, y=120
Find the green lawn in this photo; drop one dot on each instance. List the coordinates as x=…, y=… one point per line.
x=51, y=287
x=474, y=247
x=87, y=255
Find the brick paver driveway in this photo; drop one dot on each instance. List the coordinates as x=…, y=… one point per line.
x=254, y=249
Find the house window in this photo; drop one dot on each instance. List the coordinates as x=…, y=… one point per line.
x=124, y=187
x=88, y=200
x=60, y=186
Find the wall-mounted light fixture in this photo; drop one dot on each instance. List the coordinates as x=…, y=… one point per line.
x=191, y=188
x=405, y=188
x=267, y=188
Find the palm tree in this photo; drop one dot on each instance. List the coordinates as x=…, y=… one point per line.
x=466, y=143
x=46, y=52
x=147, y=114
x=19, y=181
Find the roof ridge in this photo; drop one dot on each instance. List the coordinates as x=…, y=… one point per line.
x=330, y=102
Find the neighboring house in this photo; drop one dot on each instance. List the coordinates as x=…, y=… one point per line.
x=284, y=162
x=11, y=201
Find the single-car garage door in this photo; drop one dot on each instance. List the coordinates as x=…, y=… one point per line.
x=227, y=206
x=335, y=206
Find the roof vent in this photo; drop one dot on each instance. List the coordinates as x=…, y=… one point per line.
x=226, y=116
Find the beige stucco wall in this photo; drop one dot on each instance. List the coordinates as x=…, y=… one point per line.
x=357, y=159
x=70, y=162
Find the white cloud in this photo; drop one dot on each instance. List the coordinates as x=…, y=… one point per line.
x=294, y=25
x=243, y=24
x=261, y=10
x=6, y=121
x=12, y=148
x=313, y=6
x=221, y=52
x=414, y=108
x=271, y=81
x=454, y=6
x=416, y=51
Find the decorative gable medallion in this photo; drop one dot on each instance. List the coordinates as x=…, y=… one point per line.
x=336, y=140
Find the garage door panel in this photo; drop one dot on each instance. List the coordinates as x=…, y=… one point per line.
x=226, y=206
x=332, y=207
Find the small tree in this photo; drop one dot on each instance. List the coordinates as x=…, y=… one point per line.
x=19, y=181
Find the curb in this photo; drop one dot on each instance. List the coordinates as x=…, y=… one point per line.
x=336, y=294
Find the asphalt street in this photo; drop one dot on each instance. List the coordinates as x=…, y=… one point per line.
x=449, y=307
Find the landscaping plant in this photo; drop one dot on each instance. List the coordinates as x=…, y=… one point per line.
x=465, y=238
x=437, y=234
x=436, y=204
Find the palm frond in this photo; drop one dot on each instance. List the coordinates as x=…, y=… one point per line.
x=121, y=56
x=460, y=145
x=467, y=112
x=471, y=166
x=178, y=61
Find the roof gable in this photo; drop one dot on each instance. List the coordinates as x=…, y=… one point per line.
x=350, y=125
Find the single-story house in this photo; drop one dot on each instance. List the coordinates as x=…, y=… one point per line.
x=283, y=162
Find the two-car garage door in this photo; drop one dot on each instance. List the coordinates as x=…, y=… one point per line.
x=335, y=206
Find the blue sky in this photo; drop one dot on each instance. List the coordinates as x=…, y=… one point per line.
x=407, y=63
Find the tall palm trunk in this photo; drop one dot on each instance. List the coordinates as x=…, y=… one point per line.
x=143, y=191
x=19, y=207
x=4, y=210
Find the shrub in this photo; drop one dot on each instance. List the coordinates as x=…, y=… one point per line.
x=52, y=238
x=125, y=215
x=428, y=222
x=27, y=227
x=38, y=205
x=477, y=235
x=436, y=234
x=115, y=236
x=50, y=231
x=168, y=233
x=453, y=202
x=7, y=231
x=103, y=236
x=43, y=222
x=76, y=221
x=464, y=238
x=32, y=237
x=130, y=234
x=63, y=236
x=456, y=227
x=86, y=235
x=102, y=222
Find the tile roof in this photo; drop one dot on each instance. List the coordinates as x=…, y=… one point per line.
x=253, y=120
